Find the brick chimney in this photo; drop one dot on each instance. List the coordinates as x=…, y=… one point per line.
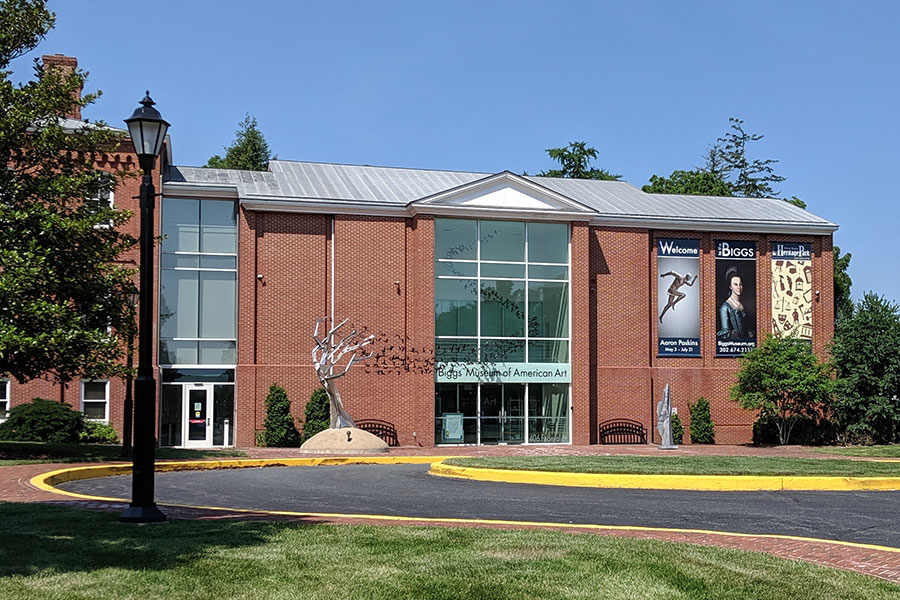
x=66, y=64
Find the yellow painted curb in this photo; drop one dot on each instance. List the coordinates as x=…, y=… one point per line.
x=713, y=483
x=48, y=481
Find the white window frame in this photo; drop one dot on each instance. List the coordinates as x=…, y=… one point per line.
x=105, y=401
x=112, y=204
x=4, y=386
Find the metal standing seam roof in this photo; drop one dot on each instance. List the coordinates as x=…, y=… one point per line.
x=289, y=181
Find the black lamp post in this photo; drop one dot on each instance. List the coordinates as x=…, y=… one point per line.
x=132, y=300
x=148, y=130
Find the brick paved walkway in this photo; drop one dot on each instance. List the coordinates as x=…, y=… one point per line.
x=15, y=486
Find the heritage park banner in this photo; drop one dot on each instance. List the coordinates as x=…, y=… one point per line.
x=735, y=297
x=792, y=290
x=677, y=296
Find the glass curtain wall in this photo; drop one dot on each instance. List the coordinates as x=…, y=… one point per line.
x=198, y=282
x=502, y=296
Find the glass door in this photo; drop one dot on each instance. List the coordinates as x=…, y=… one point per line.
x=502, y=413
x=198, y=415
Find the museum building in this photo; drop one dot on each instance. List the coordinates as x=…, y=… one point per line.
x=505, y=309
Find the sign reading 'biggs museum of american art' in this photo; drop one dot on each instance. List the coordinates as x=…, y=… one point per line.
x=463, y=372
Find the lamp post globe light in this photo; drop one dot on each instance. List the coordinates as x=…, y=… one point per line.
x=148, y=131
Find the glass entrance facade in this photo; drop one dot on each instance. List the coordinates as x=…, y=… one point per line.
x=197, y=408
x=502, y=334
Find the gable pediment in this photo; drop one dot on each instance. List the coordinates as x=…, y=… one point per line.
x=504, y=192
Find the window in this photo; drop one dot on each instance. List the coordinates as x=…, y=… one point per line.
x=95, y=400
x=4, y=399
x=102, y=200
x=501, y=291
x=198, y=293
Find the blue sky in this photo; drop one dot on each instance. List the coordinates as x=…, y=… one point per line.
x=487, y=86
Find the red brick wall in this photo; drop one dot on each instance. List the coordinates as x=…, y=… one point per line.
x=383, y=280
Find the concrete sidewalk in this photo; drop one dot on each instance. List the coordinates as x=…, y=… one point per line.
x=15, y=486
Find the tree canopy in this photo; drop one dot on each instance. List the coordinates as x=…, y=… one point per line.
x=746, y=177
x=696, y=182
x=785, y=382
x=63, y=291
x=843, y=303
x=575, y=163
x=728, y=171
x=249, y=151
x=867, y=361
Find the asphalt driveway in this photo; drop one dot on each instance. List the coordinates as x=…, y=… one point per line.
x=408, y=490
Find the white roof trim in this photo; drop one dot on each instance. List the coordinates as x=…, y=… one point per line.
x=496, y=191
x=712, y=225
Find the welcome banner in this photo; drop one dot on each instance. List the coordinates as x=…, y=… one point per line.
x=677, y=296
x=792, y=299
x=735, y=297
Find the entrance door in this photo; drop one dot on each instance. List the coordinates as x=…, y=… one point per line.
x=502, y=413
x=198, y=415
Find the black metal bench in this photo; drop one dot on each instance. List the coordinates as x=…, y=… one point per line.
x=622, y=431
x=382, y=429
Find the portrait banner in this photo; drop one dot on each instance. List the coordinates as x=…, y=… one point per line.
x=792, y=295
x=735, y=297
x=677, y=296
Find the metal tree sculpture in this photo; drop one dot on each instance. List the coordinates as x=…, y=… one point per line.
x=332, y=361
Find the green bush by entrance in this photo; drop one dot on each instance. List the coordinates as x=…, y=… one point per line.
x=702, y=428
x=317, y=415
x=98, y=433
x=280, y=430
x=42, y=420
x=677, y=429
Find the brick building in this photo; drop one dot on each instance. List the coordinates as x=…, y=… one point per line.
x=506, y=309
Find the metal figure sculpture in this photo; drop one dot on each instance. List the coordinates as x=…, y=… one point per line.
x=333, y=356
x=664, y=421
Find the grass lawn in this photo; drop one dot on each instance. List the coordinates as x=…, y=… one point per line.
x=58, y=552
x=889, y=451
x=685, y=465
x=20, y=453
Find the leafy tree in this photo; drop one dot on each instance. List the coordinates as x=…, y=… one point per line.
x=785, y=382
x=747, y=178
x=867, y=360
x=843, y=303
x=575, y=163
x=248, y=152
x=317, y=414
x=63, y=289
x=702, y=428
x=280, y=429
x=696, y=183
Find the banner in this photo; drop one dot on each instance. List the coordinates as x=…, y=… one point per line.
x=792, y=290
x=735, y=297
x=677, y=297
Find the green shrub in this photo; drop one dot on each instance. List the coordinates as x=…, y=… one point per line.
x=677, y=429
x=98, y=433
x=702, y=428
x=317, y=415
x=42, y=421
x=280, y=430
